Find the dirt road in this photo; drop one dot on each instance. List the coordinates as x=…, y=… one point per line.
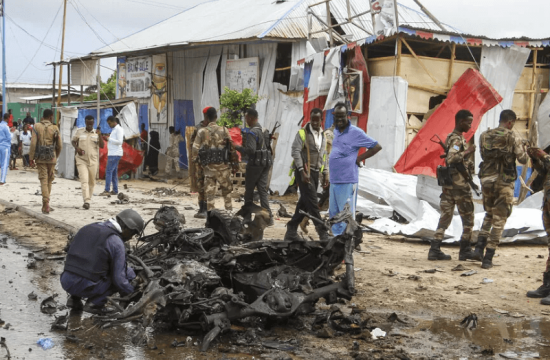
x=391, y=278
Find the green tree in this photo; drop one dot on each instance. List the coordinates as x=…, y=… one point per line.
x=234, y=104
x=107, y=92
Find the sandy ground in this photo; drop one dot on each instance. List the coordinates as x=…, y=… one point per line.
x=390, y=271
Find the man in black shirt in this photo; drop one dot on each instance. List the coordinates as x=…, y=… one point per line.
x=28, y=120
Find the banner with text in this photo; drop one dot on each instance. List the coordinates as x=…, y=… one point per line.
x=138, y=77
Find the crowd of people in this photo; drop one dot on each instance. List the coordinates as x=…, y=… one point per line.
x=329, y=159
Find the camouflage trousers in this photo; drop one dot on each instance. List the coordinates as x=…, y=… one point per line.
x=462, y=198
x=546, y=222
x=218, y=174
x=497, y=201
x=199, y=177
x=172, y=157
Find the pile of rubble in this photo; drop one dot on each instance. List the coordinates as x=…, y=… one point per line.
x=164, y=191
x=202, y=280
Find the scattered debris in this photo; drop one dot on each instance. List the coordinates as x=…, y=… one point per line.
x=432, y=271
x=163, y=191
x=32, y=296
x=469, y=322
x=519, y=355
x=60, y=322
x=377, y=333
x=282, y=212
x=469, y=273
x=540, y=257
x=45, y=343
x=49, y=305
x=500, y=311
x=225, y=272
x=487, y=281
x=4, y=345
x=459, y=267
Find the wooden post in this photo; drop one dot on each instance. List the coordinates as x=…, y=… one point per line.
x=533, y=86
x=53, y=91
x=399, y=50
x=69, y=84
x=81, y=94
x=418, y=59
x=451, y=65
x=329, y=23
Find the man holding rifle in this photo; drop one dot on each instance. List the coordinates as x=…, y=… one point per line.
x=455, y=180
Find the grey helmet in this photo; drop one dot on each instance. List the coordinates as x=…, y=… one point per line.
x=132, y=220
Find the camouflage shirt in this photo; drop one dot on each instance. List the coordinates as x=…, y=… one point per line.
x=212, y=136
x=456, y=145
x=508, y=143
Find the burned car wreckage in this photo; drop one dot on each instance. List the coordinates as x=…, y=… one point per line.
x=201, y=280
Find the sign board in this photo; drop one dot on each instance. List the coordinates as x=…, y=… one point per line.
x=121, y=77
x=243, y=74
x=138, y=77
x=384, y=17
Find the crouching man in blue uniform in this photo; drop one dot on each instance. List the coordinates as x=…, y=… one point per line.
x=96, y=267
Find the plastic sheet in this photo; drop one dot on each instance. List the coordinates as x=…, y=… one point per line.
x=289, y=127
x=397, y=190
x=388, y=104
x=130, y=161
x=472, y=92
x=129, y=121
x=502, y=67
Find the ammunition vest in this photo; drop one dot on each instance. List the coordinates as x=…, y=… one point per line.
x=497, y=152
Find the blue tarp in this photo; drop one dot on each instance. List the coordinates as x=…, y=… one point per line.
x=183, y=117
x=104, y=114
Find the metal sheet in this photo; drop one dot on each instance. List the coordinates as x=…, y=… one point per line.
x=210, y=93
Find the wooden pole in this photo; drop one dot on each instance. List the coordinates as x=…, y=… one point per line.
x=418, y=59
x=451, y=65
x=399, y=50
x=53, y=91
x=61, y=56
x=533, y=87
x=68, y=84
x=329, y=22
x=430, y=15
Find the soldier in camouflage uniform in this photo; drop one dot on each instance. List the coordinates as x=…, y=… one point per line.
x=541, y=163
x=500, y=148
x=215, y=137
x=459, y=193
x=199, y=171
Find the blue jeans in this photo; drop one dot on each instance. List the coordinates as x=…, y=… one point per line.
x=4, y=162
x=111, y=173
x=340, y=195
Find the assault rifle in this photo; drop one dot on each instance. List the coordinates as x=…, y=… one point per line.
x=459, y=166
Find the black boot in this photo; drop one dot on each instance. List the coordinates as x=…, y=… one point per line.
x=201, y=214
x=488, y=259
x=323, y=233
x=480, y=247
x=543, y=290
x=292, y=233
x=465, y=252
x=74, y=302
x=435, y=252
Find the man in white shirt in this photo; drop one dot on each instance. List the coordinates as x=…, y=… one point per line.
x=114, y=154
x=25, y=137
x=14, y=146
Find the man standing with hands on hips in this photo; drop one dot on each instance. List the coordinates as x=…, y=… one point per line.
x=344, y=163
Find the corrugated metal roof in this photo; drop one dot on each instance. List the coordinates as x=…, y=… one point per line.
x=234, y=20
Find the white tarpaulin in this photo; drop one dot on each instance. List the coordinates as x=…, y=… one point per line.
x=397, y=190
x=210, y=92
x=384, y=17
x=267, y=53
x=543, y=119
x=84, y=72
x=292, y=110
x=129, y=121
x=387, y=119
x=502, y=67
x=299, y=51
x=316, y=72
x=65, y=163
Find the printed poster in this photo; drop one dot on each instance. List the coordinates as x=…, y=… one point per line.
x=384, y=17
x=138, y=77
x=353, y=88
x=159, y=88
x=121, y=77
